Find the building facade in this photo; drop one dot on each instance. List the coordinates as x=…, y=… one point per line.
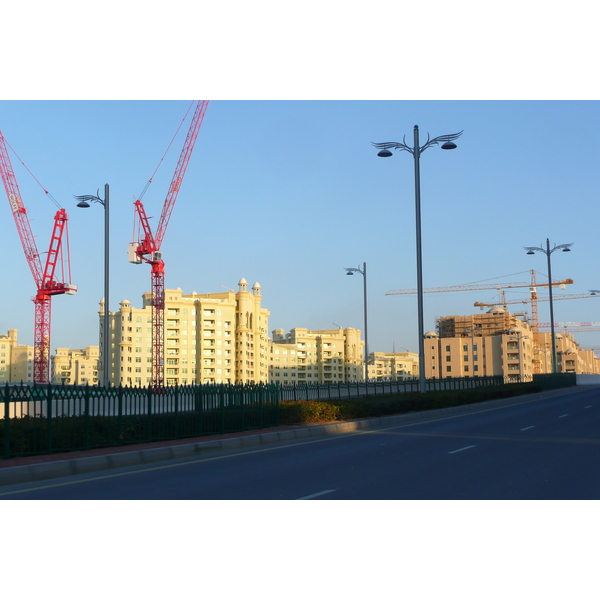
x=498, y=343
x=570, y=356
x=494, y=343
x=76, y=367
x=16, y=361
x=393, y=365
x=209, y=338
x=304, y=356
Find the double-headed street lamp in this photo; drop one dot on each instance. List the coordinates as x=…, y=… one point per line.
x=84, y=203
x=548, y=251
x=416, y=150
x=363, y=272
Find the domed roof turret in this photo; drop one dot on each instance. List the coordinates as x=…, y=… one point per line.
x=497, y=310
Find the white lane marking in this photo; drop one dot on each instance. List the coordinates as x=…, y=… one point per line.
x=316, y=495
x=590, y=406
x=461, y=449
x=561, y=416
x=526, y=428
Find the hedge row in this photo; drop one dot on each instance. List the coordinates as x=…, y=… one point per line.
x=294, y=412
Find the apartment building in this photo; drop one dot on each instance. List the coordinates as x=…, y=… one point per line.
x=494, y=343
x=209, y=338
x=570, y=356
x=76, y=367
x=304, y=356
x=393, y=365
x=499, y=343
x=16, y=360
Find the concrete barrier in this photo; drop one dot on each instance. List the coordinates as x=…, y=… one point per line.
x=588, y=379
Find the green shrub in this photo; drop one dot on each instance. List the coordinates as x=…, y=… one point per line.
x=293, y=412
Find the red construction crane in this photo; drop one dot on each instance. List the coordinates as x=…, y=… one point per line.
x=147, y=248
x=44, y=277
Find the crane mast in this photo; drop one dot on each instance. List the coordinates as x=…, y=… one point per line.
x=44, y=277
x=148, y=248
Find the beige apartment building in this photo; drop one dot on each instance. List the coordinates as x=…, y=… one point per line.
x=570, y=357
x=16, y=360
x=209, y=338
x=305, y=356
x=494, y=343
x=393, y=365
x=76, y=367
x=499, y=343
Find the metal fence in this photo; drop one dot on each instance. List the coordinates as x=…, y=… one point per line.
x=42, y=419
x=357, y=389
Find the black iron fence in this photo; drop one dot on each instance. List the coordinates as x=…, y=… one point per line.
x=41, y=419
x=356, y=389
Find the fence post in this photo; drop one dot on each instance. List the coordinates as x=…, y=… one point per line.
x=6, y=428
x=222, y=409
x=278, y=400
x=199, y=408
x=86, y=409
x=119, y=412
x=149, y=413
x=49, y=417
x=177, y=411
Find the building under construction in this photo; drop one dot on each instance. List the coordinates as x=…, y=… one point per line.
x=500, y=343
x=494, y=322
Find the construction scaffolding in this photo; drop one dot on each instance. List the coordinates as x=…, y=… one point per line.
x=494, y=322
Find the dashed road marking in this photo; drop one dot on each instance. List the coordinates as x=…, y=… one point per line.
x=526, y=428
x=562, y=416
x=316, y=495
x=461, y=449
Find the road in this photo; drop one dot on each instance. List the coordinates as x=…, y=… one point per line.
x=538, y=448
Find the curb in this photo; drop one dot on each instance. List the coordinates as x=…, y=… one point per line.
x=78, y=466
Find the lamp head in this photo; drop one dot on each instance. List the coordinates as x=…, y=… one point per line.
x=384, y=153
x=448, y=146
x=349, y=272
x=83, y=204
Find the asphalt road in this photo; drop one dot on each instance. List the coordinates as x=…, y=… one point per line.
x=546, y=448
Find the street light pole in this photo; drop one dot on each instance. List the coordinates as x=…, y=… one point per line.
x=547, y=251
x=84, y=203
x=363, y=272
x=416, y=151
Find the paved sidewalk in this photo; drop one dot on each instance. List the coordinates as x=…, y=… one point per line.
x=36, y=468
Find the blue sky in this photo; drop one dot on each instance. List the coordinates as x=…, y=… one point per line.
x=288, y=193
